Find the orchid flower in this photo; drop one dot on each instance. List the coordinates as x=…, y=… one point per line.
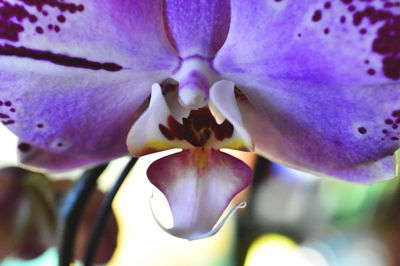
x=310, y=84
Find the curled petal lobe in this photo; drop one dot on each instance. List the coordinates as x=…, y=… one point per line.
x=224, y=101
x=317, y=93
x=74, y=75
x=198, y=184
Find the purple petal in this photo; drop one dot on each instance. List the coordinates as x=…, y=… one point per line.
x=75, y=92
x=312, y=103
x=198, y=184
x=294, y=41
x=197, y=27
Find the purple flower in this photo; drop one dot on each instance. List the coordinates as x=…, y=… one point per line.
x=310, y=84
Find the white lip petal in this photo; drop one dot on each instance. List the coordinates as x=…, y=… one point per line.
x=199, y=184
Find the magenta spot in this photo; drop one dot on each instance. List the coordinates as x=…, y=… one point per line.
x=366, y=62
x=50, y=27
x=396, y=113
x=61, y=18
x=352, y=8
x=327, y=5
x=12, y=110
x=24, y=147
x=33, y=19
x=384, y=131
x=395, y=126
x=8, y=122
x=8, y=103
x=326, y=30
x=57, y=28
x=371, y=72
x=39, y=30
x=342, y=19
x=363, y=31
x=45, y=13
x=362, y=130
x=347, y=1
x=388, y=121
x=317, y=16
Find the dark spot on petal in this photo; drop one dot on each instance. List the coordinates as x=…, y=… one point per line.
x=8, y=103
x=362, y=130
x=61, y=18
x=317, y=16
x=371, y=72
x=39, y=30
x=24, y=147
x=388, y=121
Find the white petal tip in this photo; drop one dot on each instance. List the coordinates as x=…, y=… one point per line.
x=191, y=233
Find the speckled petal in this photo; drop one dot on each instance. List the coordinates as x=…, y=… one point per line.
x=73, y=75
x=197, y=27
x=198, y=184
x=321, y=81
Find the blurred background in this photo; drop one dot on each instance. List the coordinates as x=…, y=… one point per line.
x=291, y=218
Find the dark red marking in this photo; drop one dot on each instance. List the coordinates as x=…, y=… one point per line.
x=12, y=15
x=39, y=30
x=388, y=121
x=317, y=16
x=40, y=125
x=61, y=18
x=197, y=128
x=8, y=122
x=12, y=110
x=24, y=147
x=4, y=116
x=362, y=130
x=56, y=28
x=10, y=29
x=394, y=138
x=396, y=113
x=326, y=31
x=352, y=8
x=327, y=5
x=347, y=1
x=8, y=103
x=363, y=31
x=387, y=41
x=58, y=59
x=61, y=5
x=342, y=19
x=371, y=72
